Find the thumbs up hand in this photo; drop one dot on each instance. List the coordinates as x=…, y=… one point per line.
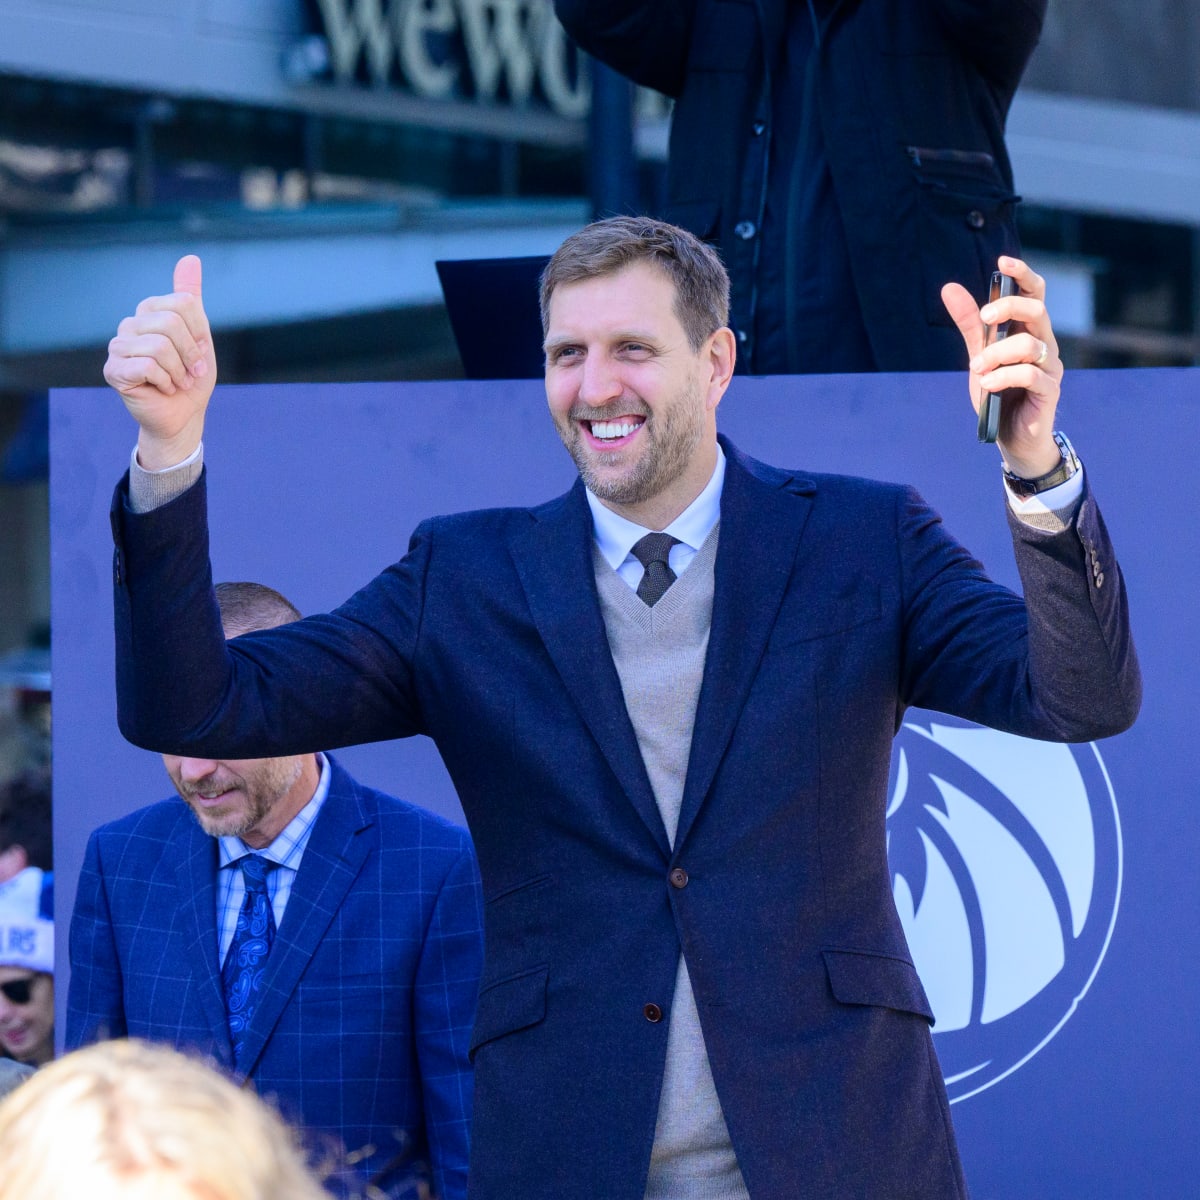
x=163, y=364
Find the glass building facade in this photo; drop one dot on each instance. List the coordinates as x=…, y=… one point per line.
x=322, y=153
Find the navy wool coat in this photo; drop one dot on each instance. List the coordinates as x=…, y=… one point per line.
x=838, y=603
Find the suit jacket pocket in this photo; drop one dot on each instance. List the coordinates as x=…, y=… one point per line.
x=967, y=217
x=855, y=604
x=355, y=1002
x=881, y=980
x=517, y=1002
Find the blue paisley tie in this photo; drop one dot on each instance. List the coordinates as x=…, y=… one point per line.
x=247, y=957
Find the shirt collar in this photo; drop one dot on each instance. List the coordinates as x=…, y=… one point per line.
x=288, y=845
x=615, y=535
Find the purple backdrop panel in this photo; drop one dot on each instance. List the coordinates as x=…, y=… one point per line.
x=1050, y=893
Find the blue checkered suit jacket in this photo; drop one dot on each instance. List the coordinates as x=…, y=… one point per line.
x=370, y=990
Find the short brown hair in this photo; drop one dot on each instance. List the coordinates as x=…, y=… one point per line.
x=249, y=606
x=608, y=246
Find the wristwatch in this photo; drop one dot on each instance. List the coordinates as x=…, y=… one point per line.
x=1066, y=468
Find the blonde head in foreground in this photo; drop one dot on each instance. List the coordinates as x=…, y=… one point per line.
x=139, y=1122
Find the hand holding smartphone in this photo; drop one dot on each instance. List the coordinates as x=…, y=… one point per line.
x=989, y=404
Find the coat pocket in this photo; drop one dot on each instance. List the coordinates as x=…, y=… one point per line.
x=509, y=1005
x=857, y=602
x=880, y=980
x=966, y=220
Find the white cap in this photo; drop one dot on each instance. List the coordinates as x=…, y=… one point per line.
x=27, y=921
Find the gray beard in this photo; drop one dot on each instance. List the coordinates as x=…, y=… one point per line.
x=232, y=824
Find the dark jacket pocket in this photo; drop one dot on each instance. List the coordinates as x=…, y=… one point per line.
x=856, y=603
x=858, y=977
x=511, y=1004
x=966, y=213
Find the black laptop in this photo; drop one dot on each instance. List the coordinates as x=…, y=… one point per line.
x=493, y=307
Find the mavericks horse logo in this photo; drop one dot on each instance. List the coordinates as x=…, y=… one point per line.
x=1005, y=856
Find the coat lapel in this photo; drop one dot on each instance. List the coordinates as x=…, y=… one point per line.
x=195, y=878
x=342, y=837
x=554, y=560
x=763, y=514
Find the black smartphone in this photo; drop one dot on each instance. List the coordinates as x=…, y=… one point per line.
x=989, y=404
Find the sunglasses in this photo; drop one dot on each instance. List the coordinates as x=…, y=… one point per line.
x=17, y=991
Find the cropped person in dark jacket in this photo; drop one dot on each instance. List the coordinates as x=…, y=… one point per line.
x=846, y=156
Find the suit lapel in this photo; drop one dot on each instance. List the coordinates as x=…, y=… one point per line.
x=341, y=839
x=195, y=878
x=763, y=514
x=553, y=556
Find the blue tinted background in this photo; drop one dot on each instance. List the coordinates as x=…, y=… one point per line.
x=315, y=488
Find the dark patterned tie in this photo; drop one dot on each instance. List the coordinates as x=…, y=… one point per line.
x=247, y=957
x=653, y=552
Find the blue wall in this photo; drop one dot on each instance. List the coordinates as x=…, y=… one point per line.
x=315, y=488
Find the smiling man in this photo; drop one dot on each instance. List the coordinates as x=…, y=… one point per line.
x=633, y=399
x=667, y=700
x=319, y=939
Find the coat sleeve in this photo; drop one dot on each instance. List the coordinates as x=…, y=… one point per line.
x=95, y=998
x=645, y=40
x=327, y=681
x=1058, y=665
x=998, y=36
x=444, y=998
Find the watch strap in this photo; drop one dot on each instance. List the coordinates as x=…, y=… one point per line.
x=1066, y=469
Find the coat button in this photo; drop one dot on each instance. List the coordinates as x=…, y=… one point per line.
x=1099, y=578
x=976, y=219
x=652, y=1013
x=759, y=127
x=678, y=878
x=745, y=230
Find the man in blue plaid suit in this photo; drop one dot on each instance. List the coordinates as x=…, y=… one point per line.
x=361, y=1013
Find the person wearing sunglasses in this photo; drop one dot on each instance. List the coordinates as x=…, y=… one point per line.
x=26, y=967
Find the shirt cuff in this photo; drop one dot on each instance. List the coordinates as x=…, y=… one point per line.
x=1052, y=510
x=149, y=490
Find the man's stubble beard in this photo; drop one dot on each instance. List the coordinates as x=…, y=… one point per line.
x=672, y=438
x=261, y=795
